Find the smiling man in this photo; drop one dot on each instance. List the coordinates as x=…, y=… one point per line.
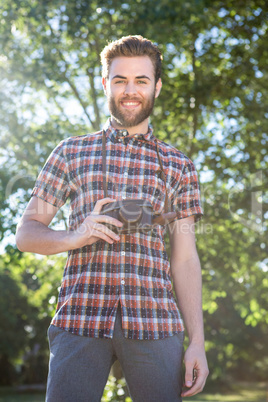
x=131, y=96
x=116, y=299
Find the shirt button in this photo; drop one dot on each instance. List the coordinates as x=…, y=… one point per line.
x=123, y=282
x=123, y=253
x=125, y=174
x=124, y=133
x=139, y=143
x=119, y=140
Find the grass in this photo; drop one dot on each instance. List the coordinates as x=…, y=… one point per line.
x=11, y=395
x=240, y=392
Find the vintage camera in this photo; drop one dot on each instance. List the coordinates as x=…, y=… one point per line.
x=137, y=215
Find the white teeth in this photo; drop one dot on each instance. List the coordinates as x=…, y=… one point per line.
x=130, y=103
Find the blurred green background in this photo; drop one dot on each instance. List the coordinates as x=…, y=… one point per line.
x=213, y=107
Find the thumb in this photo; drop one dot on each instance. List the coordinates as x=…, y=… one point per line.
x=189, y=375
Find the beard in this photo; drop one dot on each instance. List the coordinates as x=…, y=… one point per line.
x=129, y=118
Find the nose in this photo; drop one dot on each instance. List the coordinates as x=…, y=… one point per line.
x=130, y=88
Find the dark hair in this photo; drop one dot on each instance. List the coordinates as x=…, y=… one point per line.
x=131, y=46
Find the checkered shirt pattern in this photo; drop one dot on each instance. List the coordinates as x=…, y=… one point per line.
x=134, y=271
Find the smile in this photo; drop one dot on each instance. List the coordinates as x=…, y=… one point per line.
x=130, y=104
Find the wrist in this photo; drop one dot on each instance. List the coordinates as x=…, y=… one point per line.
x=197, y=342
x=197, y=339
x=71, y=240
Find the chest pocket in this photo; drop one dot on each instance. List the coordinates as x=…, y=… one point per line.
x=154, y=189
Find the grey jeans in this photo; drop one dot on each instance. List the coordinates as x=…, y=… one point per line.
x=79, y=366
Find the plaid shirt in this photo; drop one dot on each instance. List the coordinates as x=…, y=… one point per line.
x=134, y=271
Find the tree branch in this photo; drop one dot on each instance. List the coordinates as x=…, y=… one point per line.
x=93, y=91
x=195, y=106
x=71, y=84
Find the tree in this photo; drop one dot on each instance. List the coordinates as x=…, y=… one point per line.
x=29, y=289
x=14, y=310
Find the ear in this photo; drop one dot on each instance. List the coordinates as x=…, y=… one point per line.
x=158, y=87
x=104, y=84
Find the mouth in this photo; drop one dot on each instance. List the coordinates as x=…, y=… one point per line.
x=130, y=104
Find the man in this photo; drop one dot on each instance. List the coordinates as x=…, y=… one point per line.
x=116, y=299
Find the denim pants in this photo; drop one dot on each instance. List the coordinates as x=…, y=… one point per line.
x=79, y=366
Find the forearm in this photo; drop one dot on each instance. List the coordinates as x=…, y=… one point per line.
x=188, y=289
x=35, y=237
x=186, y=273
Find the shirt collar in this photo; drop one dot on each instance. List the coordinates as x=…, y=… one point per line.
x=114, y=134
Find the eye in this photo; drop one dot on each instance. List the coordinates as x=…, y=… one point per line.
x=142, y=82
x=120, y=82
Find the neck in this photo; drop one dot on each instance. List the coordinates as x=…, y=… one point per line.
x=141, y=128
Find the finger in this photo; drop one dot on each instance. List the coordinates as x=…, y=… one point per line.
x=189, y=374
x=99, y=204
x=102, y=236
x=197, y=386
x=102, y=229
x=195, y=389
x=107, y=219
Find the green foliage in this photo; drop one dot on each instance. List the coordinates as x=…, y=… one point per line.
x=212, y=107
x=115, y=390
x=29, y=289
x=14, y=310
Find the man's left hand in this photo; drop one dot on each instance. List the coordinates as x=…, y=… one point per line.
x=196, y=369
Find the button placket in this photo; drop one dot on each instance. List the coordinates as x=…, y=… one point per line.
x=125, y=142
x=125, y=172
x=122, y=264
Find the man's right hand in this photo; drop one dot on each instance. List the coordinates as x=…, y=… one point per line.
x=34, y=235
x=93, y=228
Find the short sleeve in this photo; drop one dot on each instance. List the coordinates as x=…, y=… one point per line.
x=186, y=193
x=52, y=184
